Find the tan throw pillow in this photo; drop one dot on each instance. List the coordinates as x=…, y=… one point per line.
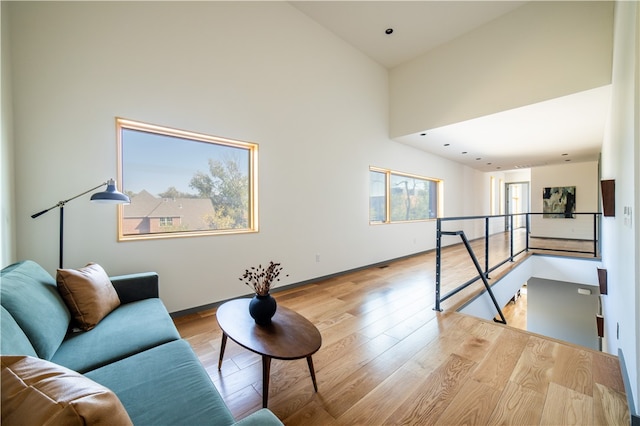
x=39, y=392
x=88, y=293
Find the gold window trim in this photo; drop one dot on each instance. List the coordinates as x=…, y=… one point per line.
x=388, y=173
x=252, y=148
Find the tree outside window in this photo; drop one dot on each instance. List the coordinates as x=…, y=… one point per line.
x=183, y=183
x=408, y=197
x=377, y=196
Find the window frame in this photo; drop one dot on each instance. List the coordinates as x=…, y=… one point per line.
x=252, y=177
x=388, y=213
x=386, y=202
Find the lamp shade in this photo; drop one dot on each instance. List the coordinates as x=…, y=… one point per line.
x=110, y=195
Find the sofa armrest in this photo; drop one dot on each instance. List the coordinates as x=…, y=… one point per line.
x=134, y=287
x=262, y=417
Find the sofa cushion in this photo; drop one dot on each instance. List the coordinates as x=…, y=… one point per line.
x=88, y=293
x=13, y=341
x=38, y=392
x=31, y=296
x=262, y=417
x=165, y=385
x=132, y=328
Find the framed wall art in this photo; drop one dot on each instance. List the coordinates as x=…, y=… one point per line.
x=559, y=202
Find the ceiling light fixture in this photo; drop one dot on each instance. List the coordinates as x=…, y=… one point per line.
x=388, y=31
x=447, y=144
x=464, y=152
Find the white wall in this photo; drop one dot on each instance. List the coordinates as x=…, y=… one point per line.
x=584, y=176
x=483, y=71
x=7, y=203
x=556, y=309
x=521, y=175
x=260, y=72
x=470, y=199
x=621, y=161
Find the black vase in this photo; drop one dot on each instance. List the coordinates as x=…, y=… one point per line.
x=262, y=309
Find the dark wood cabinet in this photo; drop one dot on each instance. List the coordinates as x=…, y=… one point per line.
x=608, y=197
x=602, y=280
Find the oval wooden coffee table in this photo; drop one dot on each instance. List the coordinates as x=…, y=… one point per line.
x=289, y=336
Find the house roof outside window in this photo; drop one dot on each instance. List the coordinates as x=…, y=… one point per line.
x=191, y=211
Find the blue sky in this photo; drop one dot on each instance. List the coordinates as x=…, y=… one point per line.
x=156, y=162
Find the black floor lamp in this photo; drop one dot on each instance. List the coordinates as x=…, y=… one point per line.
x=111, y=195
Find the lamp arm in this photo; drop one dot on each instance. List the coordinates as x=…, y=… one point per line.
x=33, y=216
x=62, y=203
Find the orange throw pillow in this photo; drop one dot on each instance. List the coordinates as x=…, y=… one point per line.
x=88, y=293
x=39, y=392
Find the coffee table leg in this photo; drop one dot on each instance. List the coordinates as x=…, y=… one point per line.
x=222, y=347
x=313, y=373
x=266, y=368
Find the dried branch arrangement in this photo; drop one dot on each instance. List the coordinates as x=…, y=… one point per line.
x=261, y=279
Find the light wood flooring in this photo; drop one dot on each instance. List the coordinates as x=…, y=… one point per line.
x=388, y=358
x=516, y=310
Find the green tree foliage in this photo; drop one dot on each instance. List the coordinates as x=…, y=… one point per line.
x=174, y=228
x=218, y=220
x=173, y=193
x=228, y=189
x=409, y=200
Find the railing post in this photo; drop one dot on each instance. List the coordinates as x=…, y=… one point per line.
x=438, y=260
x=486, y=247
x=527, y=229
x=511, y=237
x=595, y=235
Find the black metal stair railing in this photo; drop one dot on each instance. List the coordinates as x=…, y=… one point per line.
x=484, y=274
x=481, y=274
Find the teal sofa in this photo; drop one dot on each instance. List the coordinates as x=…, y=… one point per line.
x=135, y=351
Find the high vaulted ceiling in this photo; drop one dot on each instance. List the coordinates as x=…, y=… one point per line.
x=418, y=26
x=570, y=128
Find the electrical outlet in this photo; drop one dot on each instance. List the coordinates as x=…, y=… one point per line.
x=627, y=216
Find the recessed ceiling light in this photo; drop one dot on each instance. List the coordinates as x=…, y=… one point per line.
x=488, y=164
x=478, y=158
x=564, y=154
x=498, y=167
x=447, y=144
x=464, y=152
x=423, y=134
x=388, y=31
x=568, y=159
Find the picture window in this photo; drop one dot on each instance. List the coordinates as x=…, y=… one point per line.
x=400, y=197
x=184, y=183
